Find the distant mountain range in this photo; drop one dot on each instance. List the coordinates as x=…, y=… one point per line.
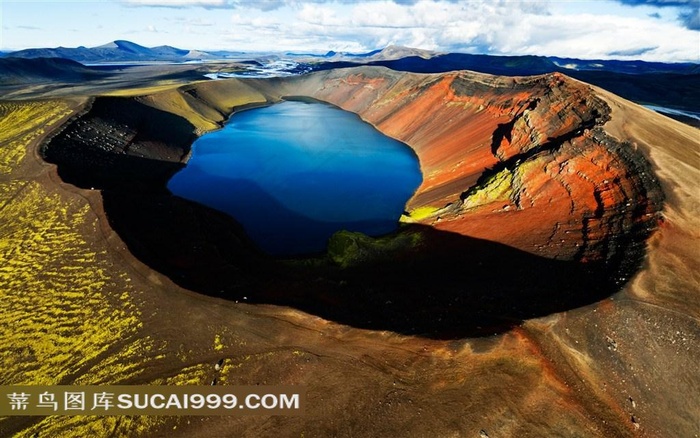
x=671, y=85
x=407, y=60
x=425, y=61
x=387, y=53
x=127, y=51
x=117, y=51
x=395, y=57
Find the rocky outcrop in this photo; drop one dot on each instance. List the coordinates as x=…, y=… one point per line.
x=120, y=143
x=522, y=163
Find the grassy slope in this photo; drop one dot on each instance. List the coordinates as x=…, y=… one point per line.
x=66, y=315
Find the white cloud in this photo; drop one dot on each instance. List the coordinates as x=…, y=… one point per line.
x=176, y=3
x=199, y=22
x=567, y=28
x=497, y=27
x=320, y=15
x=606, y=36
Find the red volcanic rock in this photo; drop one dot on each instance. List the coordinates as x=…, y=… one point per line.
x=521, y=161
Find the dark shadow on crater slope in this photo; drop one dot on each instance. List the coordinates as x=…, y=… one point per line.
x=120, y=144
x=277, y=229
x=417, y=281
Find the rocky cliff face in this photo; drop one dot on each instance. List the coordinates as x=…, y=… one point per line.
x=520, y=161
x=526, y=331
x=120, y=143
x=523, y=162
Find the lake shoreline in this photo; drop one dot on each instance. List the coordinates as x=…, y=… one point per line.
x=311, y=182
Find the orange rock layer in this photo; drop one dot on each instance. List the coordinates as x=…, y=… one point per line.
x=521, y=161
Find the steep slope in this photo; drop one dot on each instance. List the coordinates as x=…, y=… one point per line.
x=668, y=85
x=523, y=163
x=515, y=156
x=518, y=161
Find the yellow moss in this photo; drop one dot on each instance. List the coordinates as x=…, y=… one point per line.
x=52, y=305
x=22, y=122
x=203, y=117
x=94, y=426
x=226, y=95
x=199, y=374
x=218, y=345
x=140, y=91
x=524, y=169
x=203, y=104
x=65, y=317
x=419, y=213
x=498, y=188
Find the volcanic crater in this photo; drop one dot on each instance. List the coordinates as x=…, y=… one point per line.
x=527, y=206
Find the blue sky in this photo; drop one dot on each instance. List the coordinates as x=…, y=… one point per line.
x=652, y=30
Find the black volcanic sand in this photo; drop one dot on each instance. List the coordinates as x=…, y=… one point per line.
x=416, y=281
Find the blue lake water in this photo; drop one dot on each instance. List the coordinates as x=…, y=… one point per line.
x=294, y=173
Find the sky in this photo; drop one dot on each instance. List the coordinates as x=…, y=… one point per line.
x=650, y=30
